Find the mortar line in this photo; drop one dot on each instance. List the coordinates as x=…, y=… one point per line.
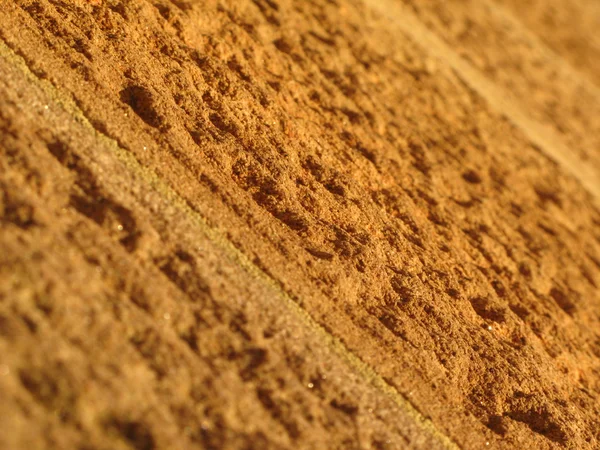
x=568, y=68
x=546, y=139
x=364, y=370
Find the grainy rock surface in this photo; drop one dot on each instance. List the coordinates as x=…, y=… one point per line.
x=341, y=224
